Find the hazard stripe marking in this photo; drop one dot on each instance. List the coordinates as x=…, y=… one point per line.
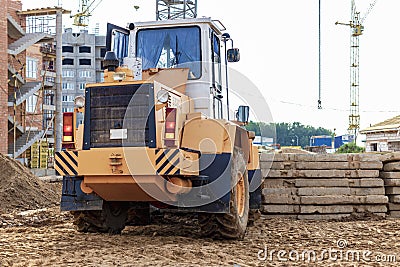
x=160, y=156
x=173, y=166
x=171, y=159
x=59, y=170
x=69, y=169
x=62, y=165
x=164, y=158
x=74, y=161
x=177, y=172
x=73, y=155
x=69, y=163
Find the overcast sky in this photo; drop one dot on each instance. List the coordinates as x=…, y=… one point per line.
x=278, y=41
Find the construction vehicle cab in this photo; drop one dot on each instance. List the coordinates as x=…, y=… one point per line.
x=196, y=44
x=159, y=131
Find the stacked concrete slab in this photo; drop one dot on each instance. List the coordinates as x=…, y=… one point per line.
x=322, y=186
x=391, y=177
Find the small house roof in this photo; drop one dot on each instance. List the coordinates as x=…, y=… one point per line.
x=391, y=124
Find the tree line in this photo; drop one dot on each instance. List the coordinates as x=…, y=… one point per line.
x=287, y=134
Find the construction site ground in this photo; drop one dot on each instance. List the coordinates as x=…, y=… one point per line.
x=33, y=232
x=47, y=237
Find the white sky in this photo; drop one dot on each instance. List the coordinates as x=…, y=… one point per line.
x=278, y=41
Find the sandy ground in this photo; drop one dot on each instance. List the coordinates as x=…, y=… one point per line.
x=47, y=237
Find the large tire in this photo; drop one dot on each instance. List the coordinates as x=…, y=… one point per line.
x=254, y=215
x=231, y=225
x=109, y=220
x=139, y=215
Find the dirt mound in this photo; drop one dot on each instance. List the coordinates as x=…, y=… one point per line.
x=21, y=190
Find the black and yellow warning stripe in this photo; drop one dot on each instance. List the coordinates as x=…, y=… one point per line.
x=167, y=161
x=66, y=163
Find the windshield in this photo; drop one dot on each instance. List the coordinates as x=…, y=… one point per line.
x=170, y=48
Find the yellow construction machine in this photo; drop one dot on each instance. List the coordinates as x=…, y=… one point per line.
x=159, y=132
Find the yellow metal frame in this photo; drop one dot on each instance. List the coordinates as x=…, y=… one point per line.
x=127, y=161
x=123, y=173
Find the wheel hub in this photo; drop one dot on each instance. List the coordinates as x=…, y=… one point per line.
x=240, y=195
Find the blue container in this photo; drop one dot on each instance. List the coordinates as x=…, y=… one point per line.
x=343, y=139
x=322, y=140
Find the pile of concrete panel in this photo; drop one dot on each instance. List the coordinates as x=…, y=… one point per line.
x=391, y=178
x=323, y=186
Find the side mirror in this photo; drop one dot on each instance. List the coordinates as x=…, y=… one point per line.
x=242, y=114
x=233, y=55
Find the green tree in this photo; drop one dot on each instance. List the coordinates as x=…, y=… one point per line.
x=291, y=134
x=287, y=134
x=254, y=126
x=350, y=148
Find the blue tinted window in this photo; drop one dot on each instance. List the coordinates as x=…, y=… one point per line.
x=171, y=48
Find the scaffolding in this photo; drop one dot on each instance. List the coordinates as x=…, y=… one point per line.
x=46, y=24
x=35, y=98
x=41, y=22
x=176, y=9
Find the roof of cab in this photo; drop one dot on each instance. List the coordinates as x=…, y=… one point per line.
x=215, y=24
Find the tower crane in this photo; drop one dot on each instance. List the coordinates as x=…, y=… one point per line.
x=86, y=7
x=356, y=30
x=176, y=9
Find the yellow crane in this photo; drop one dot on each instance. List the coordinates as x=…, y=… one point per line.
x=356, y=30
x=86, y=7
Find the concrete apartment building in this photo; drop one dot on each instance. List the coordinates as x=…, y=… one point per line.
x=82, y=55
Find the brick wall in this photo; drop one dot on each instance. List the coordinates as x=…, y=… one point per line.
x=11, y=8
x=3, y=79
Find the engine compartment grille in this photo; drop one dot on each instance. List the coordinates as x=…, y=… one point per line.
x=127, y=108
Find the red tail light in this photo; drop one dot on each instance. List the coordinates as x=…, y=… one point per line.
x=170, y=127
x=68, y=129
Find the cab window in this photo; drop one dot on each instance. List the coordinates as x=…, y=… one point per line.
x=177, y=47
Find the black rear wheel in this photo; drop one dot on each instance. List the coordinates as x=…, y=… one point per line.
x=231, y=225
x=254, y=215
x=139, y=214
x=109, y=220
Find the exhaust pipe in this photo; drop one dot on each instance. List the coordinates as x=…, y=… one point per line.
x=177, y=185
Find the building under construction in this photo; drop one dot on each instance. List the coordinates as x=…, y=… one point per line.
x=27, y=78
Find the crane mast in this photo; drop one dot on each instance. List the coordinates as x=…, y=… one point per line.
x=354, y=116
x=356, y=30
x=176, y=9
